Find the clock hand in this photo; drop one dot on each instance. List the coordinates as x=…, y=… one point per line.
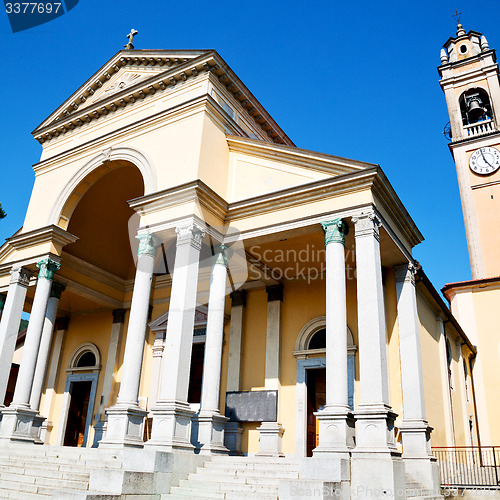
x=484, y=158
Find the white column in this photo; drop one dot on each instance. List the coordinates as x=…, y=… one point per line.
x=9, y=324
x=271, y=433
x=109, y=371
x=125, y=418
x=420, y=465
x=45, y=345
x=18, y=419
x=233, y=431
x=172, y=413
x=211, y=422
x=375, y=459
x=333, y=419
x=52, y=377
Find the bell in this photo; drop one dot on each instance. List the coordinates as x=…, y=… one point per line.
x=475, y=110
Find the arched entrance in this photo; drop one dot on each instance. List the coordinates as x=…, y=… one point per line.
x=310, y=352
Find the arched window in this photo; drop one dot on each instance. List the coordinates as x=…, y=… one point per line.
x=86, y=357
x=475, y=106
x=311, y=342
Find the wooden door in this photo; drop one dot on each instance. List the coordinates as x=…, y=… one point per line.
x=77, y=413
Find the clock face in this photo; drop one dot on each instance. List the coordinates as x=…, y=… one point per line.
x=485, y=161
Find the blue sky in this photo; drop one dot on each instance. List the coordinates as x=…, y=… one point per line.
x=354, y=79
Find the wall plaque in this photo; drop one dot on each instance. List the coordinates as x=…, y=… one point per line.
x=252, y=406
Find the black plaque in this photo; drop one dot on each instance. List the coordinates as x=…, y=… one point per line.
x=252, y=406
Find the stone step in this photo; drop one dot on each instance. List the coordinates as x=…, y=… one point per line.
x=44, y=472
x=19, y=490
x=183, y=493
x=204, y=486
x=36, y=480
x=236, y=479
x=251, y=466
x=227, y=471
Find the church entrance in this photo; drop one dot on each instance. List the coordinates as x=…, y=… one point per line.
x=77, y=413
x=316, y=400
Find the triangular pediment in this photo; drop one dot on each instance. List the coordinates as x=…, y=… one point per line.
x=122, y=73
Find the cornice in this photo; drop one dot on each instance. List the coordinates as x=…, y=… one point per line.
x=305, y=158
x=68, y=116
x=45, y=234
x=178, y=195
x=472, y=139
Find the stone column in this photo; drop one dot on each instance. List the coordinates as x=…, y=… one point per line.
x=211, y=423
x=158, y=348
x=17, y=421
x=125, y=419
x=333, y=419
x=43, y=358
x=233, y=431
x=271, y=433
x=61, y=327
x=375, y=459
x=45, y=345
x=9, y=324
x=107, y=385
x=172, y=413
x=420, y=465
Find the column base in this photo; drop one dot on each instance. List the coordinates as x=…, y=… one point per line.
x=45, y=431
x=232, y=438
x=125, y=427
x=171, y=427
x=271, y=434
x=336, y=432
x=37, y=428
x=17, y=424
x=211, y=432
x=375, y=430
x=99, y=432
x=422, y=469
x=377, y=475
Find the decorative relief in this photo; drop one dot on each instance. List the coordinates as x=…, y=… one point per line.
x=148, y=244
x=47, y=267
x=21, y=276
x=190, y=234
x=366, y=224
x=335, y=231
x=405, y=273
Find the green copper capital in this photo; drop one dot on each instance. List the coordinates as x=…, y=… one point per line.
x=222, y=257
x=335, y=231
x=47, y=267
x=57, y=289
x=148, y=243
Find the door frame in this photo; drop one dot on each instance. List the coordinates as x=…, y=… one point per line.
x=70, y=380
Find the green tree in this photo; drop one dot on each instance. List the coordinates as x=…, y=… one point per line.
x=23, y=325
x=2, y=212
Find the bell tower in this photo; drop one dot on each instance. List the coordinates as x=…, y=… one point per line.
x=470, y=81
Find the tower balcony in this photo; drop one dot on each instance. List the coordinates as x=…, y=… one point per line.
x=479, y=128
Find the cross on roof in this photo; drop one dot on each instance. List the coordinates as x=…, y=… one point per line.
x=130, y=36
x=457, y=15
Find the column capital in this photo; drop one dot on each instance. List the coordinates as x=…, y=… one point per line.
x=190, y=234
x=335, y=231
x=222, y=256
x=62, y=323
x=366, y=224
x=57, y=289
x=274, y=292
x=405, y=273
x=47, y=267
x=238, y=298
x=119, y=315
x=20, y=275
x=148, y=244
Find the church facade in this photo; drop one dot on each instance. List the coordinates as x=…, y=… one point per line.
x=200, y=286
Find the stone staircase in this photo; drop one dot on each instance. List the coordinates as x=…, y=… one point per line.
x=28, y=473
x=236, y=478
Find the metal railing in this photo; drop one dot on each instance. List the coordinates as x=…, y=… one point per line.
x=469, y=466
